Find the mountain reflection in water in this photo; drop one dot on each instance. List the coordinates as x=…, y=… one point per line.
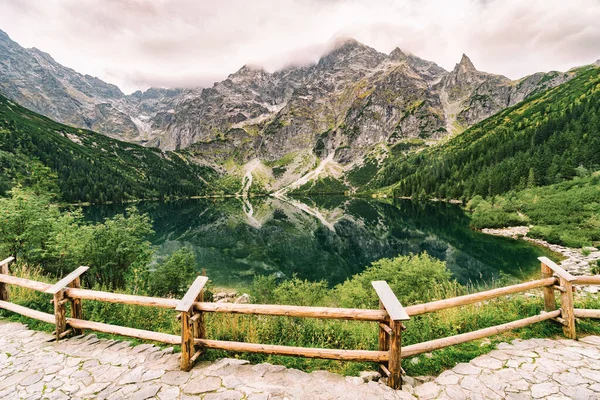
x=325, y=238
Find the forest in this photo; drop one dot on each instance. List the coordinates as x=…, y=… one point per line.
x=549, y=138
x=91, y=167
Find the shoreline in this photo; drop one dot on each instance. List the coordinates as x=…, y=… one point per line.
x=575, y=261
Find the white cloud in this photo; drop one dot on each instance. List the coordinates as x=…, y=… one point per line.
x=140, y=43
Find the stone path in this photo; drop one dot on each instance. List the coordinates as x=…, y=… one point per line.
x=528, y=369
x=89, y=368
x=31, y=367
x=576, y=262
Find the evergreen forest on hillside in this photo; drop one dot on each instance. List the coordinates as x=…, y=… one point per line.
x=550, y=137
x=91, y=167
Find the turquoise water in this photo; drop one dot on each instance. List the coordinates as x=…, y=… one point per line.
x=326, y=238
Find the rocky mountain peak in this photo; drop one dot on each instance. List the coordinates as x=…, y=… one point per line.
x=465, y=65
x=397, y=55
x=597, y=63
x=348, y=53
x=3, y=35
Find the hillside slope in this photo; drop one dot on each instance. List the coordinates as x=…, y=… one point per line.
x=541, y=141
x=90, y=166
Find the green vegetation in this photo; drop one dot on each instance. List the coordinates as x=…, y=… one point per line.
x=567, y=213
x=419, y=278
x=362, y=174
x=49, y=242
x=529, y=164
x=91, y=167
x=550, y=137
x=321, y=186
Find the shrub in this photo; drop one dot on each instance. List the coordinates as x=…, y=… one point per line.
x=174, y=276
x=410, y=277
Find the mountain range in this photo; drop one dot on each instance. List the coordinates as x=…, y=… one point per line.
x=279, y=130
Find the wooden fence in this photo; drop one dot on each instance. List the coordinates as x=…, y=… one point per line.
x=390, y=316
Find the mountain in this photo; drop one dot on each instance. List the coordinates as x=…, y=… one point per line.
x=90, y=166
x=548, y=138
x=355, y=106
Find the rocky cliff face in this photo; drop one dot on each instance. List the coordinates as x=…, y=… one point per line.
x=355, y=101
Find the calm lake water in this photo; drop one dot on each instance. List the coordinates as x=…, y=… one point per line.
x=326, y=238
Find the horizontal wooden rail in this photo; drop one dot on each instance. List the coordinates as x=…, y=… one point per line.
x=124, y=331
x=307, y=352
x=438, y=305
x=86, y=294
x=587, y=280
x=27, y=312
x=26, y=283
x=357, y=314
x=582, y=313
x=425, y=347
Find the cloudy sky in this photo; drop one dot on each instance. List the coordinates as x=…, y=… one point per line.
x=141, y=43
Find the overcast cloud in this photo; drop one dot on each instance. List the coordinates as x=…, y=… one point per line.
x=136, y=44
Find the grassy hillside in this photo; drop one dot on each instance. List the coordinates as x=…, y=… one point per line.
x=546, y=139
x=566, y=213
x=90, y=166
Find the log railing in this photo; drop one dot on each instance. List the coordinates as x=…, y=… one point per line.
x=390, y=317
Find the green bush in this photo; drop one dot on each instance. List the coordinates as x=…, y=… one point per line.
x=412, y=279
x=174, y=276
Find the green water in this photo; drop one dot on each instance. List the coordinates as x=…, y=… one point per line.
x=325, y=238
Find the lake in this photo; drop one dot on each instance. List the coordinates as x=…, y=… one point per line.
x=325, y=238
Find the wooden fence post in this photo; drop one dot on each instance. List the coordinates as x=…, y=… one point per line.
x=76, y=305
x=549, y=299
x=567, y=311
x=4, y=296
x=192, y=323
x=60, y=299
x=396, y=315
x=384, y=342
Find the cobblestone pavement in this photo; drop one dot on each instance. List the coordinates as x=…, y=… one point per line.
x=528, y=369
x=32, y=367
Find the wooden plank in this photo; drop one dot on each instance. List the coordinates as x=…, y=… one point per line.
x=567, y=310
x=64, y=282
x=86, y=294
x=308, y=352
x=583, y=313
x=28, y=312
x=390, y=301
x=395, y=357
x=7, y=261
x=124, y=331
x=560, y=272
x=438, y=305
x=425, y=347
x=294, y=311
x=587, y=280
x=186, y=304
x=26, y=283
